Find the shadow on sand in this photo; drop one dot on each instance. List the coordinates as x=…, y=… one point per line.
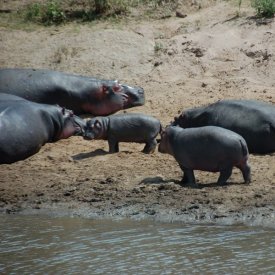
x=98, y=152
x=160, y=180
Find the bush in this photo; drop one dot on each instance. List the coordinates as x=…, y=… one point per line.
x=48, y=14
x=264, y=8
x=109, y=7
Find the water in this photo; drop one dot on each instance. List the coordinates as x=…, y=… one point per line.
x=43, y=245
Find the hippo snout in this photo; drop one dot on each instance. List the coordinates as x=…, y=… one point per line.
x=79, y=125
x=135, y=95
x=87, y=134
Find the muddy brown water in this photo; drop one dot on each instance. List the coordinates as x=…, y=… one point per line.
x=64, y=245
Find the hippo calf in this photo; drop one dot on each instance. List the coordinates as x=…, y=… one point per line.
x=254, y=120
x=131, y=127
x=208, y=148
x=81, y=94
x=26, y=126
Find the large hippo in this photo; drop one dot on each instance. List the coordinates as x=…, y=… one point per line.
x=254, y=120
x=26, y=126
x=130, y=127
x=81, y=94
x=208, y=148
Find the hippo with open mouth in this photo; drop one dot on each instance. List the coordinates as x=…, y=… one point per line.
x=81, y=94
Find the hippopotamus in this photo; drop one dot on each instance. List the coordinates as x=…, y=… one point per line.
x=81, y=94
x=26, y=126
x=131, y=127
x=208, y=148
x=253, y=120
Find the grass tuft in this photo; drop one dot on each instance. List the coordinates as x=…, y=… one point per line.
x=264, y=8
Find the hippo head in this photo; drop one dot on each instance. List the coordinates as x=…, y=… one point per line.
x=109, y=97
x=164, y=144
x=94, y=129
x=72, y=124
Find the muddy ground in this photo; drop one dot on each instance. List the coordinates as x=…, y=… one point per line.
x=180, y=62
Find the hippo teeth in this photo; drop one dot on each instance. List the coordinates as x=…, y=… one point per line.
x=125, y=99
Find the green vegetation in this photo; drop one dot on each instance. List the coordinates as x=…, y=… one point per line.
x=264, y=8
x=48, y=14
x=56, y=11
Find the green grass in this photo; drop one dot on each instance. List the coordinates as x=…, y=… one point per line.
x=49, y=13
x=264, y=8
x=54, y=12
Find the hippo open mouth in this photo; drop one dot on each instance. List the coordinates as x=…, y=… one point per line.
x=134, y=96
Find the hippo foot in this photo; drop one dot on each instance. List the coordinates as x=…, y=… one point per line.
x=150, y=147
x=186, y=183
x=246, y=174
x=148, y=151
x=222, y=183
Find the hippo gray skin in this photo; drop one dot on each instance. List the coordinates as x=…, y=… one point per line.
x=208, y=148
x=253, y=120
x=130, y=127
x=81, y=94
x=26, y=126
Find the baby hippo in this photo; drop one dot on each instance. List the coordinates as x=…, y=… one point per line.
x=130, y=127
x=208, y=148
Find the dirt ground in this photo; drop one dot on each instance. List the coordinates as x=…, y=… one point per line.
x=180, y=62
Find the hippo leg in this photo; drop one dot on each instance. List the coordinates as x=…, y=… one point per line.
x=150, y=146
x=113, y=146
x=246, y=172
x=188, y=177
x=225, y=175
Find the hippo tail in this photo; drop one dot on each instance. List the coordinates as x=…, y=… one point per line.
x=244, y=148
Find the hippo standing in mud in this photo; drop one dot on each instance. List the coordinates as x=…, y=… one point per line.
x=208, y=148
x=81, y=94
x=130, y=127
x=26, y=126
x=253, y=120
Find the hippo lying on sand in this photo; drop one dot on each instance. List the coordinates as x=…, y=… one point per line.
x=26, y=126
x=81, y=94
x=208, y=148
x=138, y=128
x=253, y=120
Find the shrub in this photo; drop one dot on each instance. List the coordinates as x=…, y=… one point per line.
x=48, y=13
x=110, y=7
x=52, y=13
x=264, y=8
